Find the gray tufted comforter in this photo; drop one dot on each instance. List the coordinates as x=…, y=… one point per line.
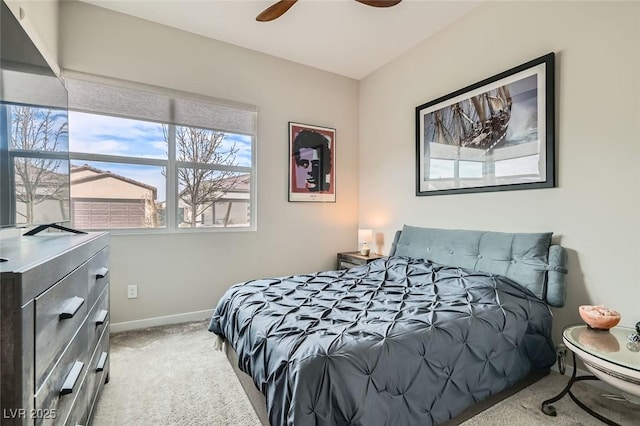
x=399, y=341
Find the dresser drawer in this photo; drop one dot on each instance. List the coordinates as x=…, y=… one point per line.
x=98, y=275
x=79, y=412
x=98, y=319
x=63, y=385
x=98, y=370
x=59, y=313
x=347, y=265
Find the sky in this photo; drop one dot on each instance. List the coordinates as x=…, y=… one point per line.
x=104, y=135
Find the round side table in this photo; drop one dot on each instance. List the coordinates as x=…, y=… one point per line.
x=611, y=355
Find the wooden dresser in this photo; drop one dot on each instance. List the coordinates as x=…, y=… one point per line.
x=54, y=327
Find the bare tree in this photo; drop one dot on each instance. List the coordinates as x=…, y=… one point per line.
x=200, y=188
x=37, y=131
x=150, y=211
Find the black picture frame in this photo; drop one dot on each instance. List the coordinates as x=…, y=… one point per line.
x=494, y=135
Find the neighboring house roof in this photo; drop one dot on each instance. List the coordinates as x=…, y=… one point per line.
x=45, y=175
x=49, y=183
x=98, y=174
x=238, y=183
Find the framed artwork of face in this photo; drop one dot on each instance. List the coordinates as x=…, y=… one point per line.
x=311, y=163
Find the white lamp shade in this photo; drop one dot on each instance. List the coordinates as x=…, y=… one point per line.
x=365, y=235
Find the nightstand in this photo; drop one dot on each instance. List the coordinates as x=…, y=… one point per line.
x=611, y=355
x=354, y=258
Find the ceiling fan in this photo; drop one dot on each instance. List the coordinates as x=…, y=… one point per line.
x=276, y=10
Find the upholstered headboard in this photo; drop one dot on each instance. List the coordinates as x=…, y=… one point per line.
x=529, y=259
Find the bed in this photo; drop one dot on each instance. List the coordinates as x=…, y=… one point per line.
x=450, y=319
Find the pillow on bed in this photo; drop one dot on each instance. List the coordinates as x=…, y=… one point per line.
x=521, y=257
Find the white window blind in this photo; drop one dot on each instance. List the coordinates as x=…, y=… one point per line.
x=133, y=100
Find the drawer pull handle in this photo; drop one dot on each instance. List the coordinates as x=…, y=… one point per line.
x=72, y=378
x=102, y=361
x=102, y=272
x=72, y=308
x=102, y=317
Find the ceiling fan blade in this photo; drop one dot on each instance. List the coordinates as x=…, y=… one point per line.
x=276, y=10
x=379, y=3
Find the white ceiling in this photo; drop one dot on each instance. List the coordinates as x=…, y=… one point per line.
x=340, y=36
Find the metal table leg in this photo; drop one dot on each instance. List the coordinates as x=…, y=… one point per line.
x=550, y=410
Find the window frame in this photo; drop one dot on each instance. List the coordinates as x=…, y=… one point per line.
x=172, y=165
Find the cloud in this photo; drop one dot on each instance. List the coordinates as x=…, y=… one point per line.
x=106, y=135
x=243, y=144
x=97, y=134
x=114, y=147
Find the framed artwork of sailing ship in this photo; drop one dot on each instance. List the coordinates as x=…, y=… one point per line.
x=312, y=162
x=494, y=135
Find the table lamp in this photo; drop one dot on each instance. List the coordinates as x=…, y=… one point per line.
x=365, y=236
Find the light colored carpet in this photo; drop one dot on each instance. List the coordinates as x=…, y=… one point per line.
x=523, y=408
x=171, y=375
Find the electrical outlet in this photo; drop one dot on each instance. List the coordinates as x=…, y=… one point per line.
x=132, y=291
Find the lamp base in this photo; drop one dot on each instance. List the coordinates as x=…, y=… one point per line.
x=365, y=250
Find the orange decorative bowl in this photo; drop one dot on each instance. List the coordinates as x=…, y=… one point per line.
x=599, y=317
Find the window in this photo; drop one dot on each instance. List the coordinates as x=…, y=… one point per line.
x=35, y=164
x=529, y=165
x=158, y=159
x=449, y=169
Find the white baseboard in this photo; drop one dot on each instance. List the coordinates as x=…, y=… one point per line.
x=166, y=320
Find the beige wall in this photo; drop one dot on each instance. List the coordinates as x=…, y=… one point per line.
x=187, y=272
x=109, y=187
x=39, y=18
x=81, y=174
x=594, y=212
